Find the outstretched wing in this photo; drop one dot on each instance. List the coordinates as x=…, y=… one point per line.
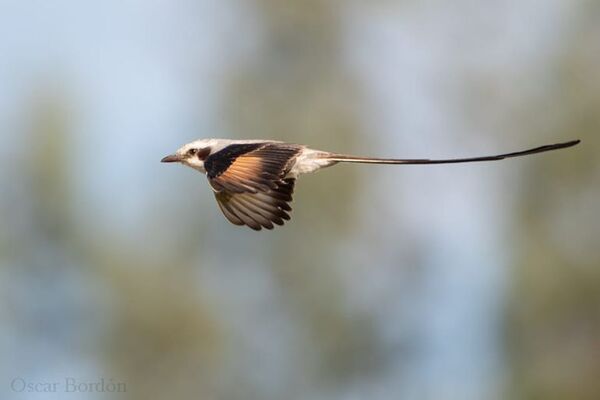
x=250, y=182
x=258, y=210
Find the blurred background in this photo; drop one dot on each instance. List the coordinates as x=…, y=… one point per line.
x=477, y=281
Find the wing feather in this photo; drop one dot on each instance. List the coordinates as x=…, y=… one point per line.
x=257, y=210
x=258, y=219
x=227, y=212
x=252, y=189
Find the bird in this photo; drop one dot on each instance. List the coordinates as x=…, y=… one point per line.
x=253, y=180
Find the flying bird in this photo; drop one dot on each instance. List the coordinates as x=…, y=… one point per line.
x=253, y=180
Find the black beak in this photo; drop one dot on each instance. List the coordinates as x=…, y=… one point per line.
x=171, y=158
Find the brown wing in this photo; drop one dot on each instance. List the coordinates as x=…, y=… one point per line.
x=258, y=210
x=251, y=188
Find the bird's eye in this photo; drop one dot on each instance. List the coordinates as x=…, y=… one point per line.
x=192, y=152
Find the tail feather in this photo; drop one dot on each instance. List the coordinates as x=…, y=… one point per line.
x=371, y=160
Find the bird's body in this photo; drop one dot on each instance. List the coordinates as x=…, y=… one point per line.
x=303, y=161
x=253, y=180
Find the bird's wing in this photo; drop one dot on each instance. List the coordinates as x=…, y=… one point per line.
x=250, y=185
x=258, y=210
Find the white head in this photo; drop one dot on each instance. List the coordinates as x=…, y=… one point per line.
x=195, y=153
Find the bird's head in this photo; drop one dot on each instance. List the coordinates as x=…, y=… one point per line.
x=193, y=154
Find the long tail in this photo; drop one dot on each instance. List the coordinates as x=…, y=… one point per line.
x=370, y=160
